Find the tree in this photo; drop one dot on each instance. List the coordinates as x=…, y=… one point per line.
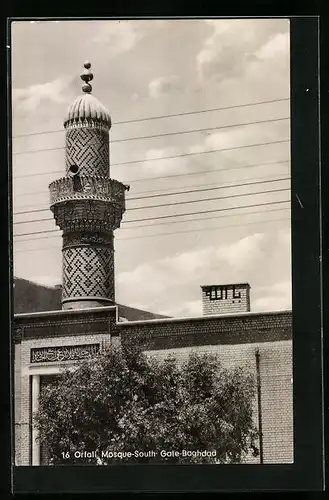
x=126, y=401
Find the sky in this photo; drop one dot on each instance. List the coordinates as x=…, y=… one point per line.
x=147, y=69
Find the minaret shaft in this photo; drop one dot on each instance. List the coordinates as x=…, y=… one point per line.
x=88, y=148
x=88, y=269
x=87, y=205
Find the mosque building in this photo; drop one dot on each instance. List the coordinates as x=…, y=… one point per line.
x=88, y=206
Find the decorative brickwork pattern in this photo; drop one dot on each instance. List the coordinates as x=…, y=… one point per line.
x=87, y=271
x=66, y=324
x=22, y=388
x=89, y=188
x=87, y=215
x=87, y=203
x=64, y=353
x=82, y=238
x=230, y=329
x=225, y=299
x=234, y=338
x=88, y=148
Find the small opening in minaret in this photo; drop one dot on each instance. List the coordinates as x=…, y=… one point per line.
x=74, y=169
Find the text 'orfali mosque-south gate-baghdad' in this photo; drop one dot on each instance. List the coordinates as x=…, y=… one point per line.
x=88, y=206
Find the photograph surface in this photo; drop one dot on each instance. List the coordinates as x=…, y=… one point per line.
x=151, y=242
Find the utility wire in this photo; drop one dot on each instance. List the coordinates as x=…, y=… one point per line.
x=131, y=162
x=208, y=189
x=201, y=152
x=225, y=184
x=170, y=216
x=202, y=229
x=174, y=232
x=200, y=219
x=174, y=194
x=244, y=124
x=173, y=176
x=167, y=116
x=187, y=202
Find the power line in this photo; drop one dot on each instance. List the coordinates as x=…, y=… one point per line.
x=174, y=232
x=203, y=172
x=201, y=152
x=206, y=218
x=175, y=203
x=170, y=216
x=168, y=116
x=172, y=194
x=272, y=120
x=209, y=189
x=187, y=202
x=202, y=229
x=170, y=157
x=200, y=219
x=173, y=176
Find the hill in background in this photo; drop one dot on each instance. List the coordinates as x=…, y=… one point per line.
x=31, y=297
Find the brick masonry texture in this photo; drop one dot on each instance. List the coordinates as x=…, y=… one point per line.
x=64, y=323
x=234, y=338
x=17, y=403
x=23, y=391
x=276, y=389
x=225, y=299
x=225, y=329
x=89, y=149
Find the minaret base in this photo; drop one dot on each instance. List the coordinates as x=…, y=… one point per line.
x=86, y=303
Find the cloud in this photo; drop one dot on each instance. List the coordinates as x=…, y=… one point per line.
x=163, y=85
x=187, y=264
x=30, y=98
x=284, y=239
x=163, y=283
x=160, y=165
x=232, y=141
x=145, y=277
x=233, y=45
x=276, y=297
x=118, y=37
x=245, y=135
x=244, y=251
x=278, y=45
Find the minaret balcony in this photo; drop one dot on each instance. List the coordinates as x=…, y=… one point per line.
x=87, y=215
x=88, y=188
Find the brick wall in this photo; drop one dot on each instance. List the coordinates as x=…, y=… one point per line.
x=210, y=330
x=234, y=337
x=276, y=389
x=277, y=401
x=23, y=390
x=222, y=299
x=17, y=405
x=65, y=323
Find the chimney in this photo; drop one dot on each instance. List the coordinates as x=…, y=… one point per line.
x=225, y=299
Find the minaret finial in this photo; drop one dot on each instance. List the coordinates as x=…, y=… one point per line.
x=87, y=76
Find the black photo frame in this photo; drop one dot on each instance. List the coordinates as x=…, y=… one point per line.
x=306, y=473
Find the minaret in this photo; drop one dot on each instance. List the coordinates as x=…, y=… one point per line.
x=87, y=204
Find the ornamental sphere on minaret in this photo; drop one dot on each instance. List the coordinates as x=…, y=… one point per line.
x=87, y=204
x=87, y=126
